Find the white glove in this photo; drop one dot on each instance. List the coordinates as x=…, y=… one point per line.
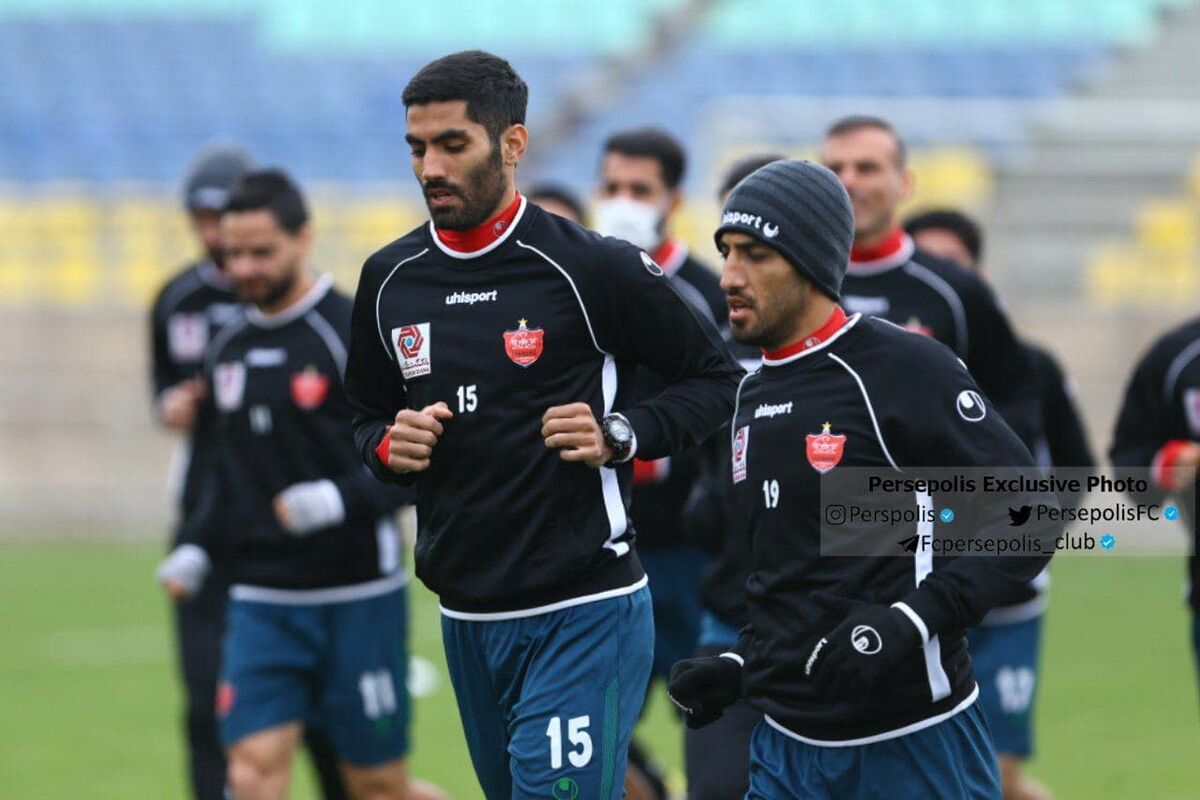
x=187, y=565
x=306, y=507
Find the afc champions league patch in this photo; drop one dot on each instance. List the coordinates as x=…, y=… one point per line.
x=229, y=385
x=825, y=449
x=412, y=349
x=309, y=388
x=524, y=345
x=187, y=336
x=741, y=449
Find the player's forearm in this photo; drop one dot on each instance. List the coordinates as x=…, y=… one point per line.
x=957, y=596
x=685, y=414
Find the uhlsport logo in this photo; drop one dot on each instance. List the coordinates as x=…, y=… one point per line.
x=866, y=640
x=970, y=405
x=565, y=789
x=412, y=349
x=768, y=229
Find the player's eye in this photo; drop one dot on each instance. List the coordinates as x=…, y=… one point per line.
x=455, y=147
x=262, y=252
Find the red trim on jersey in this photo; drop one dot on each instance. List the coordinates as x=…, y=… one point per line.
x=383, y=449
x=1161, y=468
x=481, y=236
x=655, y=471
x=832, y=325
x=888, y=247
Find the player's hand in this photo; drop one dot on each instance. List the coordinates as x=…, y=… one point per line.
x=704, y=687
x=182, y=573
x=412, y=437
x=573, y=431
x=177, y=406
x=310, y=506
x=870, y=641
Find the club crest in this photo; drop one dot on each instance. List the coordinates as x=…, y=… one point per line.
x=915, y=325
x=825, y=449
x=524, y=345
x=309, y=388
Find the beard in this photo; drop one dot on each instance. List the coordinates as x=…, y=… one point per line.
x=773, y=325
x=264, y=292
x=481, y=191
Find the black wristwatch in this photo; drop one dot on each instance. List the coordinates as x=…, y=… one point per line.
x=618, y=434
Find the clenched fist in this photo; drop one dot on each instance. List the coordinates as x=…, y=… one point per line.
x=412, y=437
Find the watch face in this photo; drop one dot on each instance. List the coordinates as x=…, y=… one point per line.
x=619, y=430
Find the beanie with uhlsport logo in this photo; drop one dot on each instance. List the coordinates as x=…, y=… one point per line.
x=800, y=209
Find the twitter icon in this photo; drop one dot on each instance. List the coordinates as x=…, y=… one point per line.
x=1019, y=516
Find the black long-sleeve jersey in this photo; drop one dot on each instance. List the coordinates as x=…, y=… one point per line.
x=663, y=488
x=1160, y=413
x=924, y=294
x=282, y=418
x=549, y=314
x=871, y=395
x=185, y=317
x=1061, y=441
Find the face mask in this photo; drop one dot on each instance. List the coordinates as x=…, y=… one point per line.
x=635, y=222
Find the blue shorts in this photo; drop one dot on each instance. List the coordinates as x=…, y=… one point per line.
x=1005, y=660
x=549, y=702
x=675, y=572
x=952, y=760
x=345, y=663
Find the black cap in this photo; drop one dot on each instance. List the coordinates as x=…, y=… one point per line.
x=800, y=209
x=213, y=175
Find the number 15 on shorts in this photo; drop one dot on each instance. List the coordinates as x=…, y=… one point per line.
x=580, y=752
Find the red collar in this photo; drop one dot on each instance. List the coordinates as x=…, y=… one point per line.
x=832, y=325
x=888, y=247
x=479, y=237
x=669, y=255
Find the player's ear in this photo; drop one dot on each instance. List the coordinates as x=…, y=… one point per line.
x=513, y=143
x=910, y=183
x=304, y=238
x=675, y=201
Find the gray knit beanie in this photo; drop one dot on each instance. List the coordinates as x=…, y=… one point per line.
x=800, y=209
x=213, y=175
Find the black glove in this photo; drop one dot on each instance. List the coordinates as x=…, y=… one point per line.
x=870, y=641
x=704, y=687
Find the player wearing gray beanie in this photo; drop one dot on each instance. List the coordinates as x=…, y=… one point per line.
x=800, y=209
x=213, y=175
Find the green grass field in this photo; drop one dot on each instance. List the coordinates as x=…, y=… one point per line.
x=89, y=705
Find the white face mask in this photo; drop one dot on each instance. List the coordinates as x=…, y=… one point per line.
x=633, y=221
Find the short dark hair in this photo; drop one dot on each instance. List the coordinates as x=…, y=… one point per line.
x=743, y=167
x=558, y=193
x=652, y=143
x=495, y=95
x=945, y=219
x=856, y=122
x=274, y=191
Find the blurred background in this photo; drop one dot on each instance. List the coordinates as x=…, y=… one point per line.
x=1071, y=127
